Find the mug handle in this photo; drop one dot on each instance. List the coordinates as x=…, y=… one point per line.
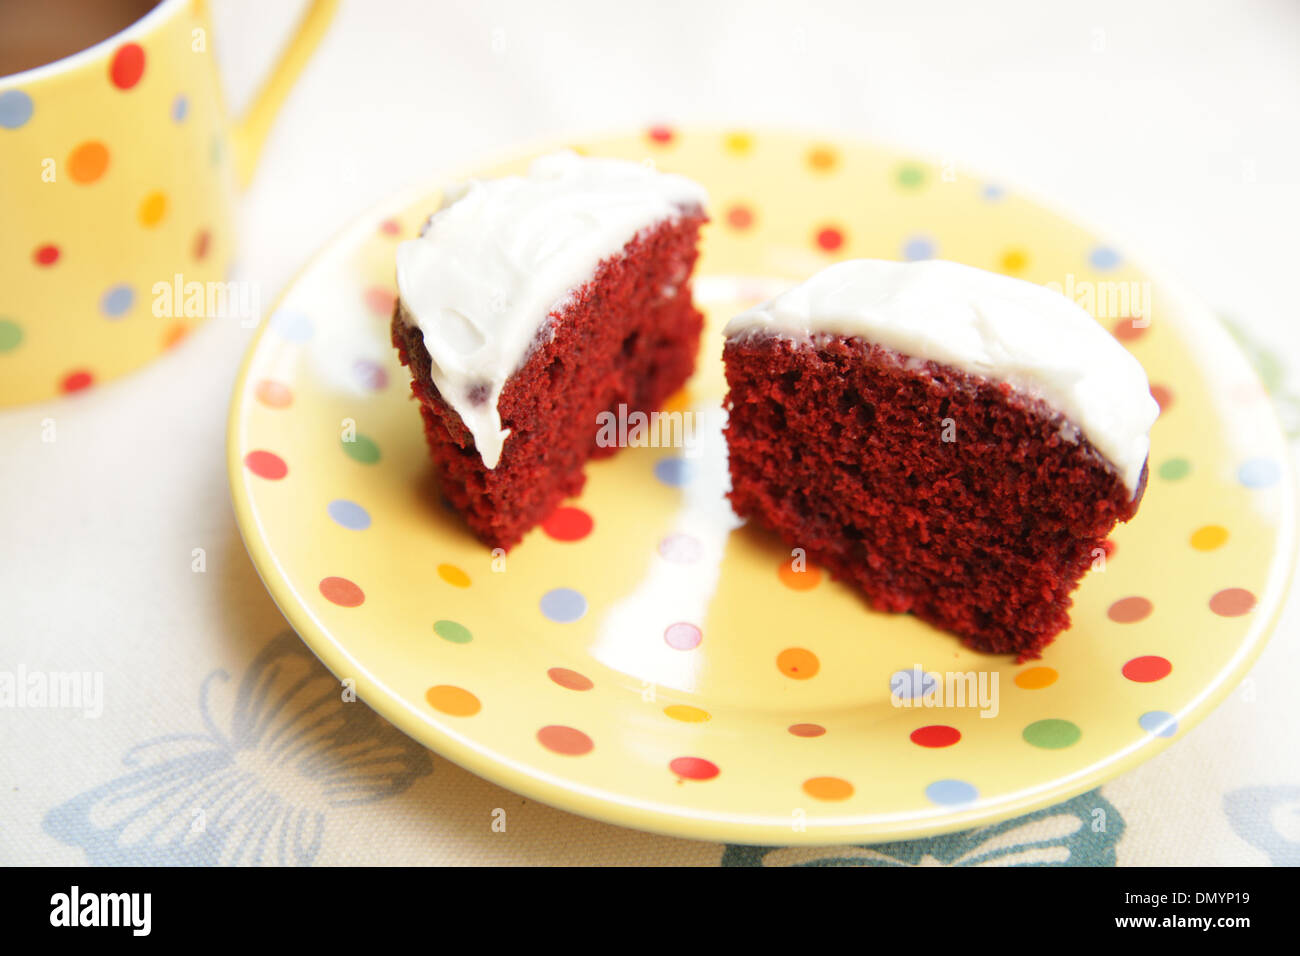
x=249, y=133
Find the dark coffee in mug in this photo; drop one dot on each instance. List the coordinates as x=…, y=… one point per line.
x=36, y=32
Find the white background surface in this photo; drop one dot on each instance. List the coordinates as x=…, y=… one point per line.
x=1174, y=127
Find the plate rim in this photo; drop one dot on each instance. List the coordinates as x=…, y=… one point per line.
x=564, y=794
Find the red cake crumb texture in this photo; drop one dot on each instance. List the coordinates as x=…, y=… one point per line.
x=838, y=446
x=629, y=336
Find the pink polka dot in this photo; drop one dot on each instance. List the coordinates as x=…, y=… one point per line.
x=565, y=740
x=1164, y=397
x=829, y=239
x=1232, y=602
x=571, y=680
x=1129, y=330
x=1146, y=670
x=342, y=592
x=202, y=243
x=370, y=375
x=380, y=301
x=935, y=735
x=568, y=524
x=663, y=135
x=682, y=636
x=266, y=464
x=694, y=768
x=1128, y=610
x=680, y=549
x=390, y=227
x=740, y=217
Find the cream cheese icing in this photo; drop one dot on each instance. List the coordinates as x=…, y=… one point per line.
x=500, y=256
x=989, y=325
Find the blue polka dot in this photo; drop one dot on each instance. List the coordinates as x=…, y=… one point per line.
x=180, y=108
x=1259, y=473
x=673, y=471
x=993, y=192
x=950, y=793
x=563, y=605
x=349, y=514
x=1159, y=722
x=1103, y=257
x=906, y=685
x=15, y=109
x=116, y=301
x=918, y=247
x=292, y=326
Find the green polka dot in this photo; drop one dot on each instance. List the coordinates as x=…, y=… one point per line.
x=1052, y=734
x=451, y=631
x=911, y=176
x=10, y=335
x=1172, y=469
x=361, y=449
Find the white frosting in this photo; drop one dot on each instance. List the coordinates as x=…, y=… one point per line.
x=501, y=255
x=988, y=325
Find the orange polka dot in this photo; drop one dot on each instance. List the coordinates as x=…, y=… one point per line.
x=740, y=217
x=456, y=701
x=1130, y=330
x=804, y=580
x=453, y=575
x=273, y=394
x=807, y=730
x=687, y=713
x=828, y=788
x=823, y=158
x=1036, y=678
x=173, y=336
x=798, y=663
x=565, y=740
x=152, y=209
x=88, y=161
x=1209, y=537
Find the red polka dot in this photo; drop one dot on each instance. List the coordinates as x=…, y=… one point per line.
x=266, y=464
x=76, y=381
x=1129, y=609
x=380, y=301
x=570, y=679
x=1127, y=331
x=568, y=524
x=660, y=134
x=565, y=740
x=1232, y=602
x=935, y=735
x=1145, y=670
x=202, y=242
x=806, y=730
x=829, y=239
x=127, y=66
x=1163, y=396
x=342, y=592
x=694, y=768
x=46, y=255
x=739, y=217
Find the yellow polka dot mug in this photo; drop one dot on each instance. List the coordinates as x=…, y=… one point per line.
x=118, y=174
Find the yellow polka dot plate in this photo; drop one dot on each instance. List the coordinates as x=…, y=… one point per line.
x=645, y=659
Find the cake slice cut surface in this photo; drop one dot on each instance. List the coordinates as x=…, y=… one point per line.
x=954, y=443
x=531, y=304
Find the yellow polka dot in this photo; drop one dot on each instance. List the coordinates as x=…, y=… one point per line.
x=804, y=580
x=456, y=701
x=1209, y=537
x=687, y=713
x=823, y=158
x=1014, y=260
x=798, y=663
x=739, y=143
x=828, y=788
x=453, y=575
x=152, y=209
x=1036, y=678
x=88, y=161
